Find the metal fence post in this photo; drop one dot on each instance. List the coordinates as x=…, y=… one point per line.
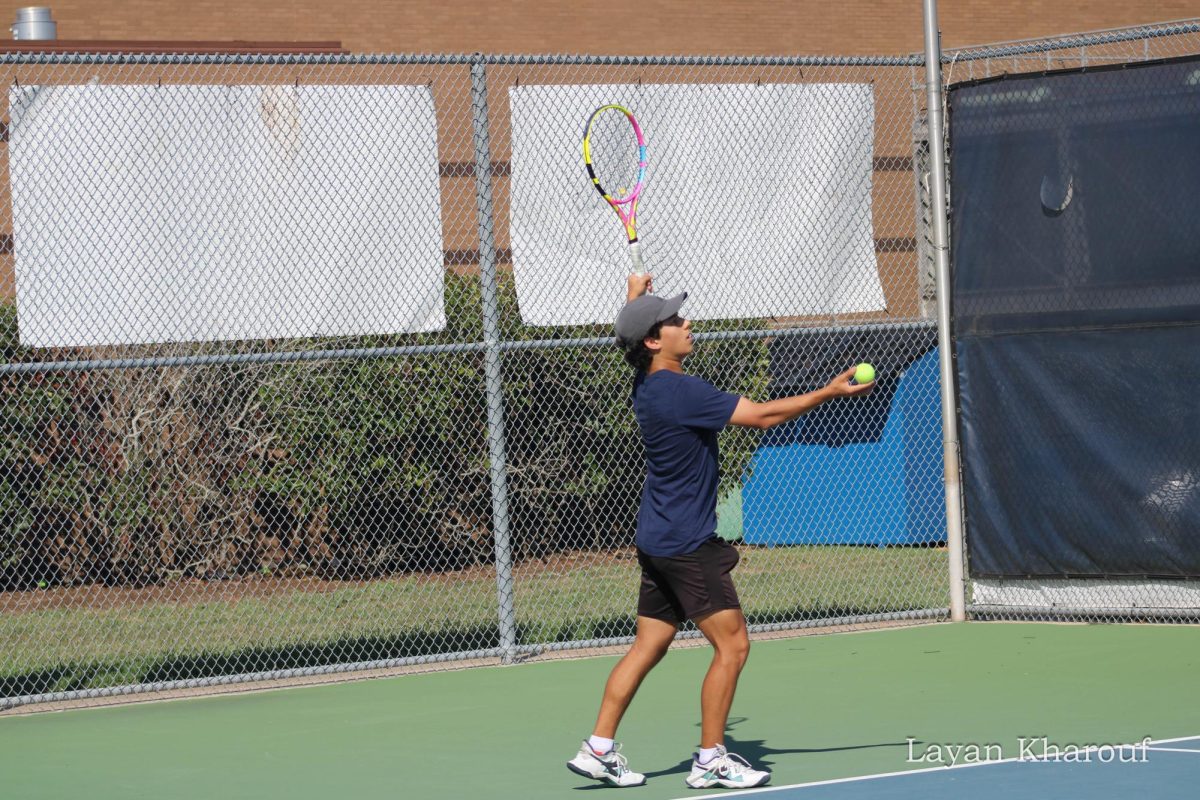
x=937, y=192
x=494, y=386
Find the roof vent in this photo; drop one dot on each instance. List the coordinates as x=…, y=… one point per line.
x=34, y=23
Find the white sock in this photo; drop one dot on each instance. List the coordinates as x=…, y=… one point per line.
x=599, y=744
x=706, y=755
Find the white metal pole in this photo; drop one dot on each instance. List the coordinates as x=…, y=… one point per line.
x=937, y=191
x=492, y=367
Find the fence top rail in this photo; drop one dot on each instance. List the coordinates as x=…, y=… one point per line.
x=1157, y=30
x=23, y=58
x=716, y=61
x=361, y=353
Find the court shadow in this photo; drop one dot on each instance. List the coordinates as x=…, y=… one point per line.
x=757, y=752
x=682, y=767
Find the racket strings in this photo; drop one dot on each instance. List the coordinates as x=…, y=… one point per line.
x=614, y=151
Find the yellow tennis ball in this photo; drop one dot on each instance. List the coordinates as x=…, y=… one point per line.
x=865, y=373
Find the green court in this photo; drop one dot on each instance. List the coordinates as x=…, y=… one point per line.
x=811, y=709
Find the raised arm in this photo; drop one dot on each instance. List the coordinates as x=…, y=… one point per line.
x=638, y=285
x=749, y=414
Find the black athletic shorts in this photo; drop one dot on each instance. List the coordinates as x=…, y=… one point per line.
x=678, y=588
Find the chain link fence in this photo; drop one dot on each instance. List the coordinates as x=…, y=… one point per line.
x=1121, y=597
x=283, y=408
x=186, y=503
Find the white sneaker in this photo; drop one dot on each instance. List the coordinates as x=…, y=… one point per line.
x=610, y=767
x=727, y=769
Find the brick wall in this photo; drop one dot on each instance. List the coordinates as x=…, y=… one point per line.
x=539, y=26
x=618, y=26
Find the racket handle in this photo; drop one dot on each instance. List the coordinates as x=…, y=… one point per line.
x=635, y=251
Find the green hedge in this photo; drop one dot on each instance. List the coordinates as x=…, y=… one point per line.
x=346, y=469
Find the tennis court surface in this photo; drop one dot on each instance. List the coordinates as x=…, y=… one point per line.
x=832, y=715
x=1158, y=769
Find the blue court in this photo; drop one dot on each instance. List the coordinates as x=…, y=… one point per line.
x=1162, y=770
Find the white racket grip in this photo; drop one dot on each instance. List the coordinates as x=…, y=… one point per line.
x=635, y=250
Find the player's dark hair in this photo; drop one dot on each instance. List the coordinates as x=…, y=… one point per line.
x=639, y=356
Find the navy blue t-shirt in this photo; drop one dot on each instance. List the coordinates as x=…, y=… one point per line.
x=680, y=416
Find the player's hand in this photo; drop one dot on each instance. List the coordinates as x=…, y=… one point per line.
x=638, y=285
x=842, y=387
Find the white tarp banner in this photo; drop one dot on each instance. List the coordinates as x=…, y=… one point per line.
x=757, y=201
x=197, y=213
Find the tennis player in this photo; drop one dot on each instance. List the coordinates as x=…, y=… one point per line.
x=685, y=566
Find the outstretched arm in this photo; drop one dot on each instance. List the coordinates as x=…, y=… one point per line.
x=638, y=285
x=749, y=414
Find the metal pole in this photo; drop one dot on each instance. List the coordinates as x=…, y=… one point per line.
x=34, y=23
x=494, y=386
x=937, y=191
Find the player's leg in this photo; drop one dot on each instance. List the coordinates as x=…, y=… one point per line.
x=653, y=638
x=726, y=631
x=599, y=756
x=725, y=628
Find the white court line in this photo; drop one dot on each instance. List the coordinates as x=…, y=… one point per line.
x=1173, y=750
x=902, y=772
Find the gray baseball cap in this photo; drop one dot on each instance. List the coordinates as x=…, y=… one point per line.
x=642, y=313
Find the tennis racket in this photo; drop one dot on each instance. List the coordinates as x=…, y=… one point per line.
x=614, y=151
